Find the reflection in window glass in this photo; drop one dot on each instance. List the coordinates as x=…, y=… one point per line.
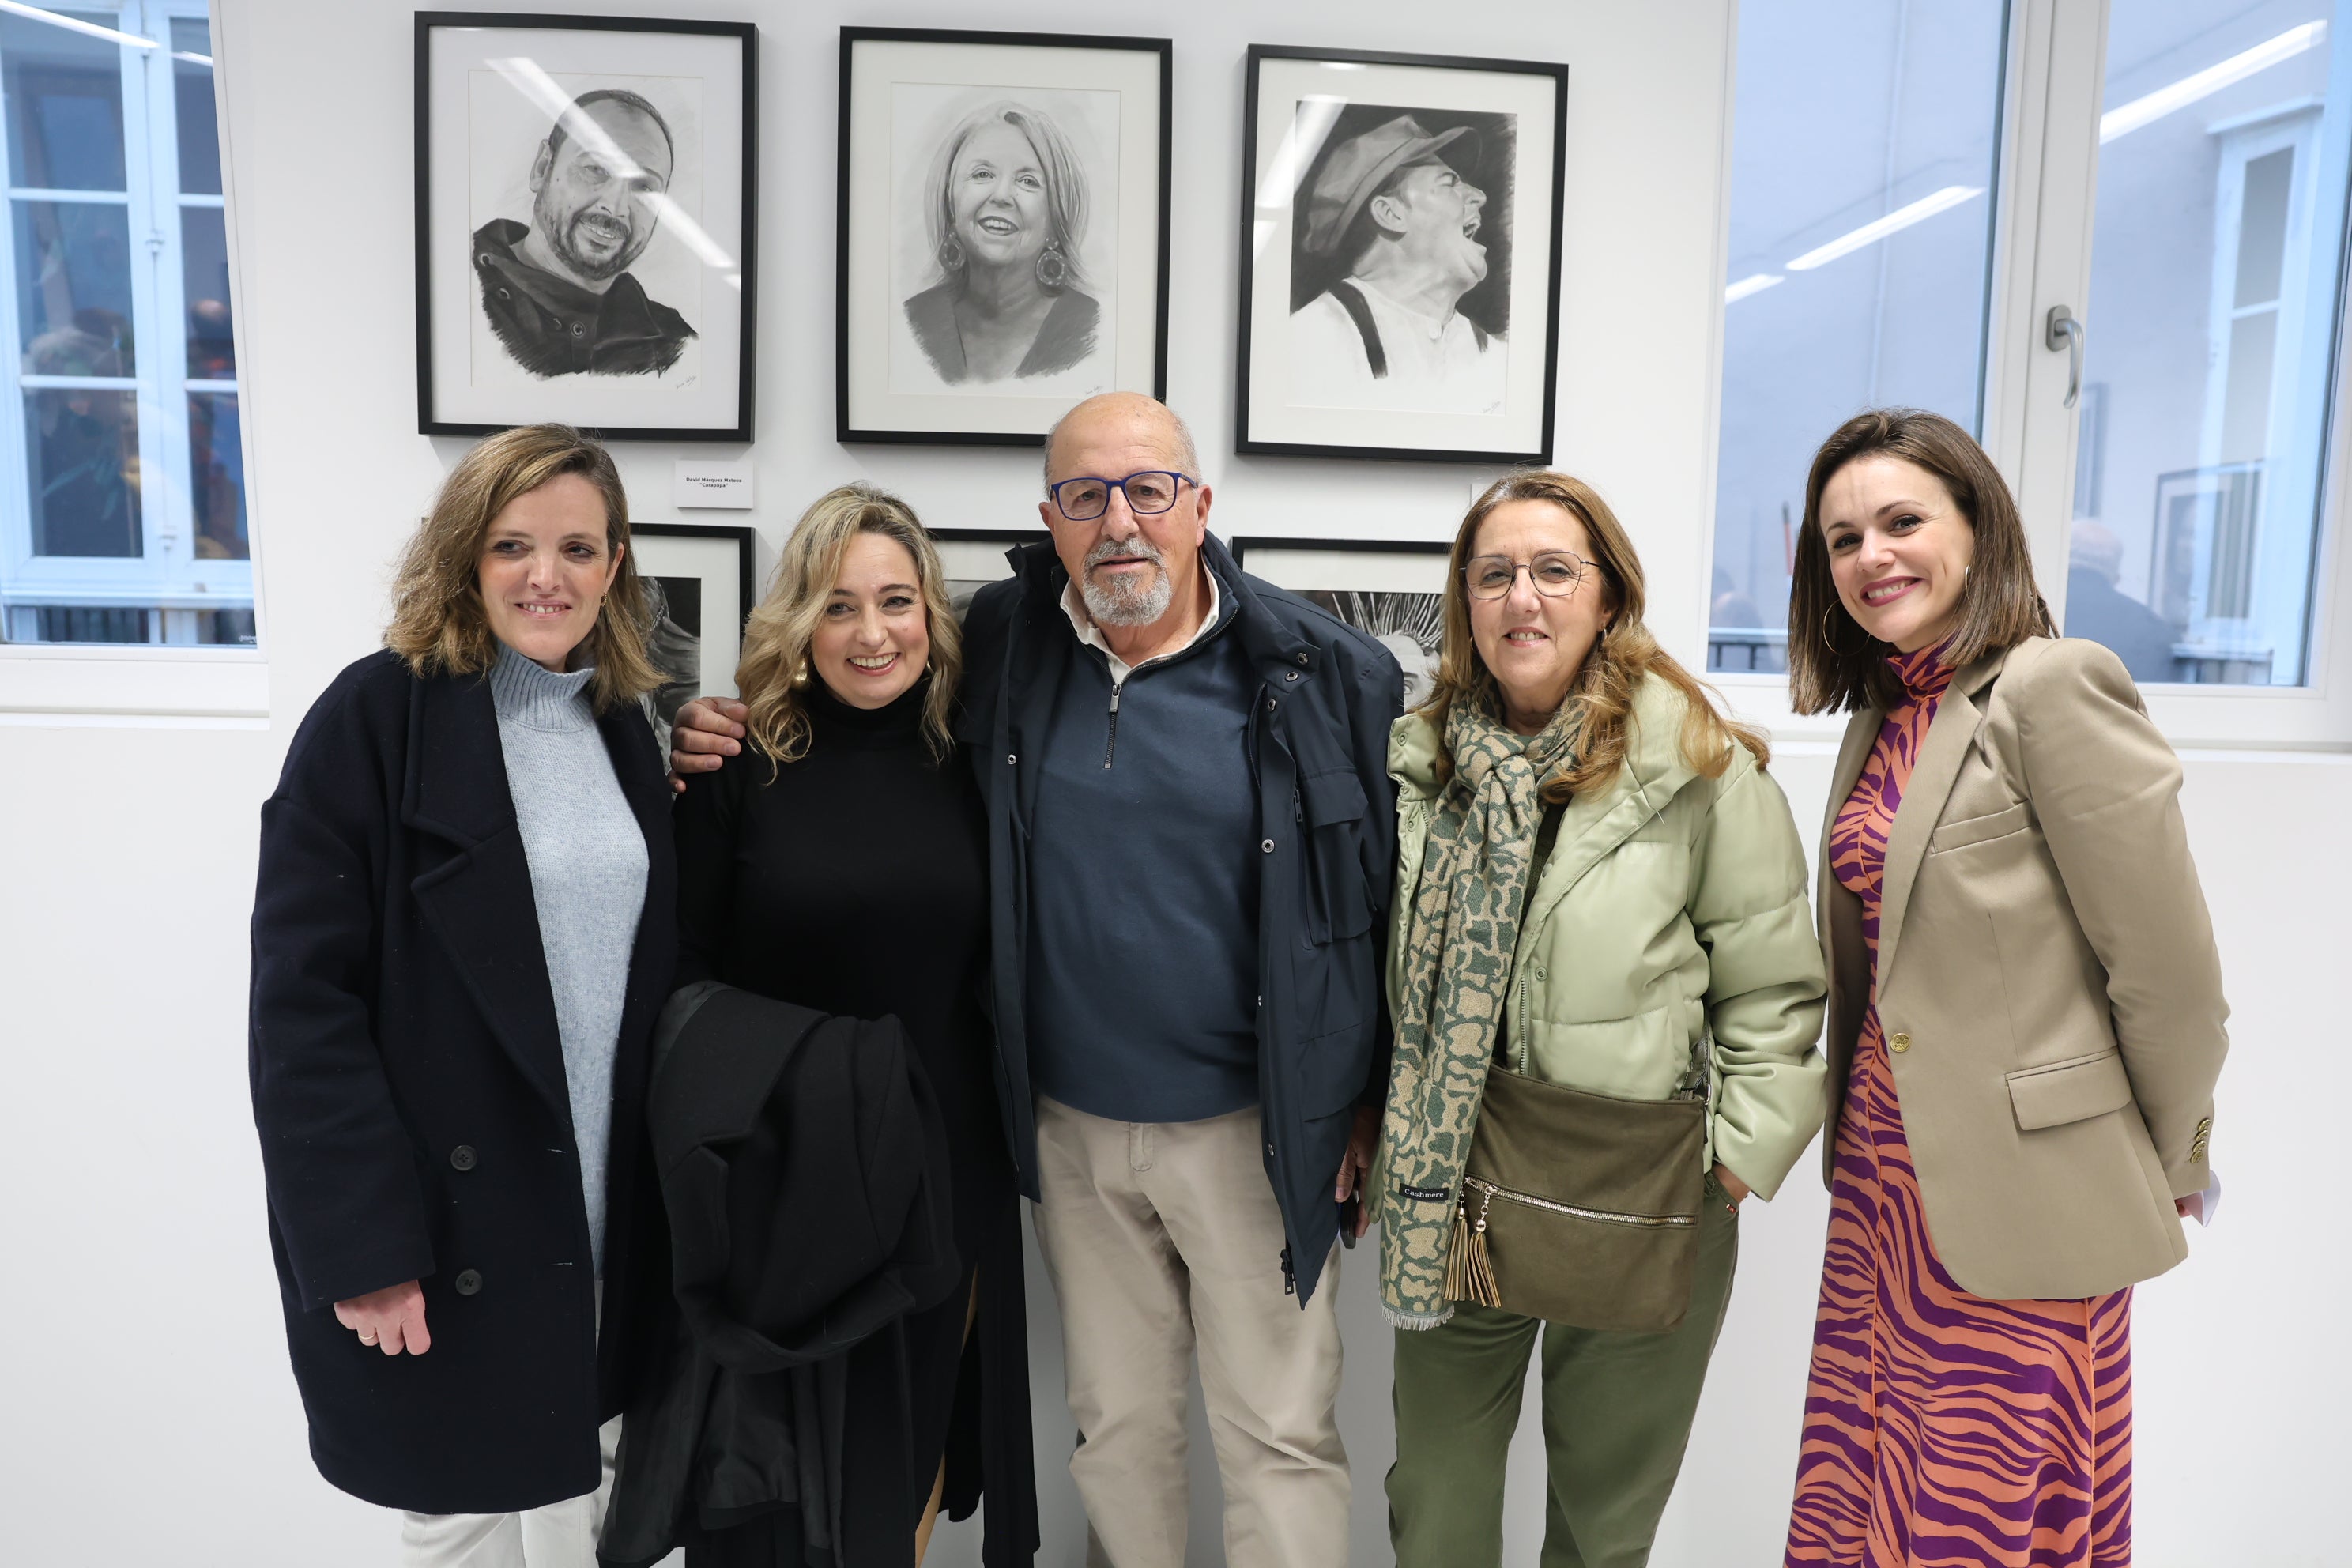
x=63, y=92
x=73, y=287
x=1862, y=175
x=191, y=50
x=204, y=270
x=82, y=448
x=2215, y=262
x=216, y=474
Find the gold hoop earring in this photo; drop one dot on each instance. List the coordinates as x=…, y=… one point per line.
x=801, y=676
x=1827, y=641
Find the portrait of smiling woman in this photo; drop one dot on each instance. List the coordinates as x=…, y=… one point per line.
x=1006, y=213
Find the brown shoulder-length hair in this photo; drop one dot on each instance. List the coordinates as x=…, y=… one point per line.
x=774, y=674
x=439, y=624
x=1625, y=656
x=1833, y=665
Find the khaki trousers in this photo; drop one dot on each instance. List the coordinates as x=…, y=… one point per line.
x=1162, y=1238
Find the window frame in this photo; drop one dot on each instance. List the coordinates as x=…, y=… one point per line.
x=2047, y=177
x=166, y=678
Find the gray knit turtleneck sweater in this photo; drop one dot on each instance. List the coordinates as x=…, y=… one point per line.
x=588, y=869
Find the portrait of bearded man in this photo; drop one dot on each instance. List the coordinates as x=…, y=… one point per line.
x=557, y=291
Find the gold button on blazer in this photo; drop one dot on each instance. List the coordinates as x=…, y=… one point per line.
x=2046, y=956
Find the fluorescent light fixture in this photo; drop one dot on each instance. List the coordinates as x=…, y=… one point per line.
x=1754, y=283
x=539, y=87
x=1879, y=228
x=75, y=25
x=2141, y=111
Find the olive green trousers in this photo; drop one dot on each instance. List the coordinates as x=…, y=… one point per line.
x=1617, y=1412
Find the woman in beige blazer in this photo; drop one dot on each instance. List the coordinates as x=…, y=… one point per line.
x=2025, y=1025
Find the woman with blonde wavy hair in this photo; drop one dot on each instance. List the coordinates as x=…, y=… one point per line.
x=460, y=937
x=849, y=875
x=1605, y=992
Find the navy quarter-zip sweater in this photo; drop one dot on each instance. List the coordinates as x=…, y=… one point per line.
x=1145, y=849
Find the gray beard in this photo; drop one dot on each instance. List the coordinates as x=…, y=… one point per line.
x=1127, y=606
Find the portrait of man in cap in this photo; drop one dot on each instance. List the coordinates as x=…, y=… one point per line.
x=557, y=291
x=1389, y=220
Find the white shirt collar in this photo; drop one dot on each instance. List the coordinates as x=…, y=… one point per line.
x=1074, y=604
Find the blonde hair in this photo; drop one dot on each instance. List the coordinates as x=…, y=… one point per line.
x=774, y=671
x=1625, y=656
x=439, y=624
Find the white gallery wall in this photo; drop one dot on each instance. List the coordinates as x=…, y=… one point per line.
x=146, y=1414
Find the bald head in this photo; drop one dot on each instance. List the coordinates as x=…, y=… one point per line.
x=1123, y=419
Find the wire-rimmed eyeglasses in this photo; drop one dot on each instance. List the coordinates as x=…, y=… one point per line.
x=1087, y=497
x=1555, y=574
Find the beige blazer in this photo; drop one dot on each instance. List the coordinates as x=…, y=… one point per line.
x=2047, y=977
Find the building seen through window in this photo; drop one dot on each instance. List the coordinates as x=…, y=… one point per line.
x=1861, y=219
x=123, y=515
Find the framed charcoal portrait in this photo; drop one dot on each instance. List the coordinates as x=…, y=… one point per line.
x=1401, y=244
x=584, y=224
x=1392, y=590
x=1003, y=231
x=697, y=593
x=974, y=557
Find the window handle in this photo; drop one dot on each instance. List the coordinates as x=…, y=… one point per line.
x=2060, y=328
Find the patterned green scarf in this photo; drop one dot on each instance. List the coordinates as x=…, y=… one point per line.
x=1456, y=975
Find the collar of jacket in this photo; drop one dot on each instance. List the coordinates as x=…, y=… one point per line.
x=1273, y=650
x=1959, y=714
x=480, y=902
x=1593, y=823
x=623, y=313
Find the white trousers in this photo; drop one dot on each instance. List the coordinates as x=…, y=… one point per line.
x=556, y=1535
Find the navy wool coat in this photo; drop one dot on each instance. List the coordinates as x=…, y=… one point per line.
x=408, y=1085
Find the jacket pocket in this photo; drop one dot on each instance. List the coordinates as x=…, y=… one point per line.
x=2070, y=1090
x=1977, y=829
x=1338, y=896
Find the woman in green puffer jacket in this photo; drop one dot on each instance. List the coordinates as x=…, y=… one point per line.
x=1601, y=901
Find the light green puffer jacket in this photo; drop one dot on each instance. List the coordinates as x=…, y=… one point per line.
x=1672, y=905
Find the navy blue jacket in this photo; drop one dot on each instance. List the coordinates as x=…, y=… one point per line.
x=408, y=1087
x=1320, y=710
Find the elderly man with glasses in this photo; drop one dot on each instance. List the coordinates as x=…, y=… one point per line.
x=1191, y=838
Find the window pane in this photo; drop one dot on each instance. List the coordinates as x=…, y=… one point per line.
x=83, y=488
x=2215, y=265
x=1861, y=223
x=64, y=97
x=73, y=287
x=216, y=458
x=192, y=96
x=203, y=266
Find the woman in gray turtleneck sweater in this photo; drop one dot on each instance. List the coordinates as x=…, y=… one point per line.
x=461, y=937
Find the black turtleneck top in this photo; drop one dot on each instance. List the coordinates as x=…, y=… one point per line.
x=856, y=882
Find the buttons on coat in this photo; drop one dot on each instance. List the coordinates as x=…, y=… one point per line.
x=461, y=1158
x=1899, y=1044
x=1269, y=704
x=1290, y=675
x=468, y=1281
x=2197, y=1145
x=1012, y=759
x=1266, y=846
x=1302, y=659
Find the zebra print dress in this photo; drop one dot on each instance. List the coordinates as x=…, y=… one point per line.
x=1942, y=1430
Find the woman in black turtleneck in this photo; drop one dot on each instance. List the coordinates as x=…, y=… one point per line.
x=842, y=865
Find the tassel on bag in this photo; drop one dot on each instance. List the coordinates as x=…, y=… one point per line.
x=1469, y=1271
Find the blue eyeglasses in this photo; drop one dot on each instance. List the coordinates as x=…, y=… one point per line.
x=1087, y=497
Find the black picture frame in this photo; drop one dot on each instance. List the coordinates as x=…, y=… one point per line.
x=712, y=413
x=1273, y=423
x=974, y=557
x=689, y=571
x=868, y=308
x=1389, y=589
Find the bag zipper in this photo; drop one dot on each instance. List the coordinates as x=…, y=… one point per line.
x=1606, y=1217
